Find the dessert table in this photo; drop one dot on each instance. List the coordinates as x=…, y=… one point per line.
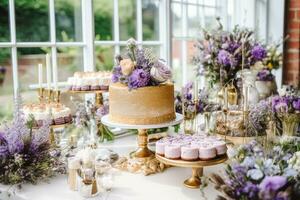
x=167, y=185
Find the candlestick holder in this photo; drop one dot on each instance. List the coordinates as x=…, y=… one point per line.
x=49, y=95
x=56, y=96
x=41, y=92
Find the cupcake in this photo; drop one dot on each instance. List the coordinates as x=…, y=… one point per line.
x=220, y=147
x=189, y=153
x=173, y=152
x=207, y=152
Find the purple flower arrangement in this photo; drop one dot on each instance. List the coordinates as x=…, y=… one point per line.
x=86, y=114
x=140, y=68
x=187, y=96
x=221, y=54
x=258, y=118
x=25, y=153
x=256, y=174
x=286, y=104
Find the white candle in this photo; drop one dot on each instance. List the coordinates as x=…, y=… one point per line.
x=40, y=68
x=54, y=68
x=48, y=70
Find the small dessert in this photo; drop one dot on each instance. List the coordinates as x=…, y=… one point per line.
x=189, y=153
x=191, y=148
x=58, y=113
x=220, y=147
x=207, y=152
x=160, y=147
x=172, y=152
x=87, y=81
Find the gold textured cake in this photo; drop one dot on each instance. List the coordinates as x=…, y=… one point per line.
x=141, y=106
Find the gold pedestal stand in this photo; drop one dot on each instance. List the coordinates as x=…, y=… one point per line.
x=142, y=151
x=143, y=159
x=197, y=168
x=51, y=96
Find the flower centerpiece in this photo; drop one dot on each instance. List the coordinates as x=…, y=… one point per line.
x=139, y=67
x=26, y=155
x=258, y=174
x=287, y=109
x=221, y=54
x=89, y=117
x=186, y=99
x=185, y=103
x=265, y=82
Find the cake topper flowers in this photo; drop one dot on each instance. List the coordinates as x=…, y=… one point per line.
x=140, y=67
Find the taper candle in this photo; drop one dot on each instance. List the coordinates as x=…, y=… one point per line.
x=40, y=68
x=48, y=70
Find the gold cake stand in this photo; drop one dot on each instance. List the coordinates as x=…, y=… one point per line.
x=142, y=160
x=197, y=168
x=98, y=93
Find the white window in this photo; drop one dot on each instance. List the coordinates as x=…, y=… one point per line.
x=86, y=34
x=188, y=17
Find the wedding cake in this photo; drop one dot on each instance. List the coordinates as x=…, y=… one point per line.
x=140, y=92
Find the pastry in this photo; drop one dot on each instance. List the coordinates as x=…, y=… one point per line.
x=172, y=151
x=189, y=153
x=207, y=152
x=87, y=81
x=220, y=147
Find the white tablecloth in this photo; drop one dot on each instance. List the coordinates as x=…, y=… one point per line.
x=167, y=185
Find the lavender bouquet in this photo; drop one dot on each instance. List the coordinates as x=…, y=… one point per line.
x=191, y=107
x=221, y=54
x=25, y=153
x=89, y=115
x=258, y=118
x=257, y=174
x=286, y=108
x=139, y=68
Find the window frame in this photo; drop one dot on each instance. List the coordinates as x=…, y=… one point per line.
x=88, y=42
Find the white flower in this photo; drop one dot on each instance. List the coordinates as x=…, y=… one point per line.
x=127, y=66
x=294, y=162
x=131, y=43
x=255, y=174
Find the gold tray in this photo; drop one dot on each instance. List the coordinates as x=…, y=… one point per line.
x=197, y=168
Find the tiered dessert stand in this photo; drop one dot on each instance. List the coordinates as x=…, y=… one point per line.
x=49, y=95
x=142, y=151
x=197, y=168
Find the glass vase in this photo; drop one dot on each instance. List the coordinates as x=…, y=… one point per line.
x=188, y=124
x=290, y=123
x=207, y=119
